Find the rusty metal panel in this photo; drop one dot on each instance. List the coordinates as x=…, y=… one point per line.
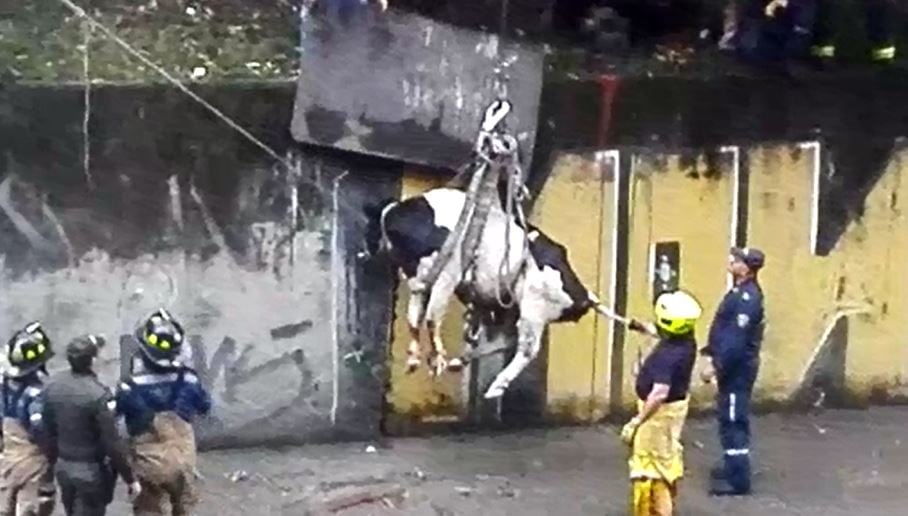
x=399, y=85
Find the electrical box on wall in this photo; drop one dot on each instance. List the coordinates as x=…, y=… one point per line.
x=665, y=267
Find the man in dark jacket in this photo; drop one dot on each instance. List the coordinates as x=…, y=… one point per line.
x=734, y=347
x=80, y=420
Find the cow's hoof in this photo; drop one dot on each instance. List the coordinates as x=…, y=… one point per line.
x=494, y=392
x=455, y=365
x=439, y=366
x=412, y=364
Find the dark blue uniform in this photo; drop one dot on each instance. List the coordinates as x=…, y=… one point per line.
x=150, y=391
x=23, y=402
x=671, y=363
x=734, y=345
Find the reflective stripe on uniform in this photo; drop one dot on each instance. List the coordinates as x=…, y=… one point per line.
x=731, y=407
x=737, y=452
x=32, y=391
x=34, y=418
x=884, y=53
x=823, y=51
x=149, y=379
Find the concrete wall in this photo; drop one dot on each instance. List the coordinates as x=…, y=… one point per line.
x=403, y=86
x=174, y=209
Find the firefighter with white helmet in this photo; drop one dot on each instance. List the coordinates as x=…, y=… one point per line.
x=654, y=434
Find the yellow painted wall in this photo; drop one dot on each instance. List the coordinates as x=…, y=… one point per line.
x=805, y=292
x=690, y=204
x=417, y=398
x=575, y=208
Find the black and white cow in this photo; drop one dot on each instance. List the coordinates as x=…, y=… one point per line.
x=412, y=233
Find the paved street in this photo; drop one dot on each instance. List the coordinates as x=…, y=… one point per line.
x=837, y=463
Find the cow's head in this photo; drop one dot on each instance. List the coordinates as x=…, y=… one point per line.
x=374, y=238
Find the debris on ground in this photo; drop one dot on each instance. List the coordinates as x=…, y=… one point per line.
x=507, y=491
x=464, y=491
x=238, y=476
x=371, y=449
x=330, y=485
x=388, y=495
x=418, y=473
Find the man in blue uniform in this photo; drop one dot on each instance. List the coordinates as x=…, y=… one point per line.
x=734, y=347
x=26, y=478
x=159, y=400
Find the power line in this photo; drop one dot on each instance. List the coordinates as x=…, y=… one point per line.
x=79, y=11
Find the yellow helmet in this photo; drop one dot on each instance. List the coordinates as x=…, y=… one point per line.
x=677, y=312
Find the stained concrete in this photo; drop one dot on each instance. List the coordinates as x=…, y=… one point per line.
x=258, y=260
x=838, y=463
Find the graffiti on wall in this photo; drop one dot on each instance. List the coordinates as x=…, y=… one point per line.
x=253, y=292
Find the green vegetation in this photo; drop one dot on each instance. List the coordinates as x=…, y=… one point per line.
x=203, y=40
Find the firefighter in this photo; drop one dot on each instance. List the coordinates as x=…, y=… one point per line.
x=733, y=350
x=159, y=400
x=26, y=478
x=879, y=17
x=654, y=434
x=775, y=32
x=79, y=416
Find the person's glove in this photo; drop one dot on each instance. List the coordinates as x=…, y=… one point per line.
x=774, y=6
x=642, y=327
x=134, y=490
x=630, y=430
x=708, y=373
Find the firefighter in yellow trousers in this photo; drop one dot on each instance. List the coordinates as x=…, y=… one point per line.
x=654, y=434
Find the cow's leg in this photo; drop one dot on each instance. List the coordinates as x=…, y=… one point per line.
x=439, y=298
x=415, y=311
x=529, y=340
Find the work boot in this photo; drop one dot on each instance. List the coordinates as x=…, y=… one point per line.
x=717, y=472
x=721, y=487
x=727, y=491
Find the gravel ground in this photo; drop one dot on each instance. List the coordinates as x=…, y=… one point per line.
x=835, y=463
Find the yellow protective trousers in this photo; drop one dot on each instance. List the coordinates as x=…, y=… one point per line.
x=657, y=459
x=653, y=497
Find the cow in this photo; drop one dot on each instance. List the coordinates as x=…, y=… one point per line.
x=411, y=233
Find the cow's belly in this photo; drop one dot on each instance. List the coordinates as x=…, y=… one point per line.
x=543, y=296
x=491, y=269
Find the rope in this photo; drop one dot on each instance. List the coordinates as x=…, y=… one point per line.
x=506, y=277
x=86, y=115
x=174, y=81
x=109, y=33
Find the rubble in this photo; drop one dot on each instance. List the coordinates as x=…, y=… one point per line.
x=389, y=495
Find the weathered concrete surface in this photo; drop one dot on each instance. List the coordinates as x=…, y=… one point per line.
x=403, y=86
x=838, y=463
x=285, y=326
